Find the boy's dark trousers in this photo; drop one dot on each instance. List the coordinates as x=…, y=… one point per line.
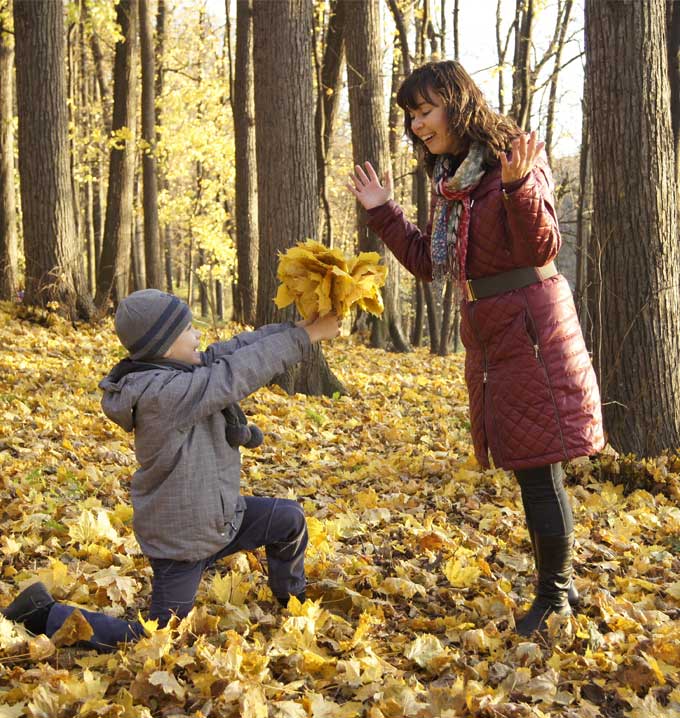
x=277, y=524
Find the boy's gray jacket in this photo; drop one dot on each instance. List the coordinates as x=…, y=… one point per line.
x=186, y=492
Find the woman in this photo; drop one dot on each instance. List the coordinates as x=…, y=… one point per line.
x=534, y=400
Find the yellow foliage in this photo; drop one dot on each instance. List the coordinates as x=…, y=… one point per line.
x=417, y=560
x=319, y=280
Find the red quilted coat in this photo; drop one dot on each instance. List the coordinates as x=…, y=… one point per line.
x=534, y=398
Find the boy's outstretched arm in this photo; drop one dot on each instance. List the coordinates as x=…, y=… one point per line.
x=189, y=397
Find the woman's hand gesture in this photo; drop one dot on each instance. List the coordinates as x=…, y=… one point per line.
x=366, y=186
x=524, y=154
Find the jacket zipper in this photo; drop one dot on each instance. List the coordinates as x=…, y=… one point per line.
x=485, y=377
x=539, y=359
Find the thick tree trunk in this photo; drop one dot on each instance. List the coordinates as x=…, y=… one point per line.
x=247, y=240
x=288, y=199
x=9, y=268
x=54, y=267
x=370, y=144
x=632, y=138
x=114, y=266
x=152, y=247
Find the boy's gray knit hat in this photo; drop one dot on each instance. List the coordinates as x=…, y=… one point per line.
x=148, y=322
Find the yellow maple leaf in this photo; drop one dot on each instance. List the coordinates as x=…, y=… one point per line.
x=462, y=572
x=74, y=629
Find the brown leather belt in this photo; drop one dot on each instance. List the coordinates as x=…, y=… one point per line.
x=507, y=281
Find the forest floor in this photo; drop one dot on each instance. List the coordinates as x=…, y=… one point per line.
x=417, y=561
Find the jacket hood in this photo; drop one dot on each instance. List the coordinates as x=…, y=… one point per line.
x=122, y=388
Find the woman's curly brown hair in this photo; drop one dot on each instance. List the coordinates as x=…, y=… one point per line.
x=469, y=113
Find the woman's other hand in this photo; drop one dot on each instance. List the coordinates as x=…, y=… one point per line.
x=366, y=186
x=524, y=154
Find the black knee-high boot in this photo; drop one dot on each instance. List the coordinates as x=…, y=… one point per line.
x=554, y=554
x=572, y=593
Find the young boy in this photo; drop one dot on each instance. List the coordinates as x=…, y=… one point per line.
x=182, y=405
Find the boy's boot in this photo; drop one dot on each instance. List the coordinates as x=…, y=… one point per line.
x=554, y=555
x=302, y=597
x=31, y=607
x=573, y=594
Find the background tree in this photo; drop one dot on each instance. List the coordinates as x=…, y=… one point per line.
x=152, y=249
x=247, y=240
x=8, y=216
x=635, y=226
x=287, y=198
x=115, y=259
x=54, y=271
x=673, y=40
x=370, y=143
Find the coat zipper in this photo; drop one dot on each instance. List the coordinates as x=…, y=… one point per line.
x=485, y=378
x=539, y=359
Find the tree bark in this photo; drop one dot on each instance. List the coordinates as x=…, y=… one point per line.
x=152, y=247
x=522, y=90
x=114, y=266
x=563, y=16
x=9, y=267
x=102, y=81
x=329, y=84
x=370, y=143
x=165, y=232
x=247, y=239
x=54, y=267
x=635, y=224
x=288, y=199
x=673, y=41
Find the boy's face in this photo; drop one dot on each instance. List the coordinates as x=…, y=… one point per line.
x=185, y=347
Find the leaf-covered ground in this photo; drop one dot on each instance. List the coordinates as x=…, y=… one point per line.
x=417, y=560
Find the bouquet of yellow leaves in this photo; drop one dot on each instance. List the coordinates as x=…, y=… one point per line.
x=319, y=280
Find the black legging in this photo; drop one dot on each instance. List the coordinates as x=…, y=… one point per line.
x=546, y=504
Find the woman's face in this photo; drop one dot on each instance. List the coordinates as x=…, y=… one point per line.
x=429, y=122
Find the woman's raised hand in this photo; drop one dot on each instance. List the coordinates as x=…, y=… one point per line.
x=366, y=186
x=524, y=154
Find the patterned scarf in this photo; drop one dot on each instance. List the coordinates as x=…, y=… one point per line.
x=451, y=211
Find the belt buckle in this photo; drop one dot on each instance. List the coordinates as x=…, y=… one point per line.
x=469, y=291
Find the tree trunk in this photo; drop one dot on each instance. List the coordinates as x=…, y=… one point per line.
x=247, y=240
x=152, y=247
x=632, y=138
x=456, y=35
x=114, y=264
x=54, y=268
x=165, y=233
x=522, y=90
x=583, y=224
x=284, y=119
x=419, y=300
x=9, y=268
x=447, y=319
x=563, y=16
x=370, y=143
x=673, y=41
x=102, y=81
x=329, y=87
